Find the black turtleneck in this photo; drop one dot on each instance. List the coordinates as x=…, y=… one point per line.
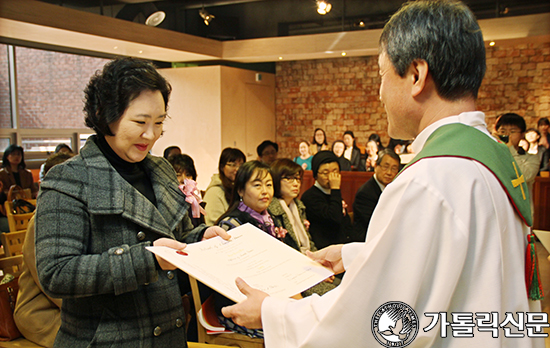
x=134, y=173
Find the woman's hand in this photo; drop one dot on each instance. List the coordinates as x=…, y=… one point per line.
x=171, y=243
x=215, y=231
x=249, y=312
x=330, y=257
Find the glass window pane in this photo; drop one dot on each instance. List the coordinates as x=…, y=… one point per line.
x=5, y=114
x=4, y=143
x=50, y=87
x=43, y=144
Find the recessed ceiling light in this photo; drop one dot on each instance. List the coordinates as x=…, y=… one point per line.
x=280, y=58
x=492, y=43
x=343, y=53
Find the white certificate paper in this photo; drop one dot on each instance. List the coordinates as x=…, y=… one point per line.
x=262, y=261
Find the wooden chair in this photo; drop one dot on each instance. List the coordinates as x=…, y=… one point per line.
x=225, y=339
x=18, y=222
x=11, y=265
x=13, y=242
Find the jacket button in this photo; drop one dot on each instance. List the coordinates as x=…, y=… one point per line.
x=141, y=235
x=119, y=251
x=157, y=331
x=179, y=322
x=170, y=275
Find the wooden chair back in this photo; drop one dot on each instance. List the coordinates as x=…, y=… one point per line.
x=11, y=265
x=13, y=242
x=16, y=192
x=224, y=339
x=18, y=222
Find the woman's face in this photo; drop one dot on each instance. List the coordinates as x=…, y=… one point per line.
x=338, y=149
x=348, y=140
x=319, y=137
x=139, y=127
x=543, y=128
x=230, y=169
x=15, y=157
x=258, y=191
x=532, y=137
x=290, y=186
x=372, y=148
x=304, y=149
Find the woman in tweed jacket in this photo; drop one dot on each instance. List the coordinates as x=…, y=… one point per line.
x=97, y=212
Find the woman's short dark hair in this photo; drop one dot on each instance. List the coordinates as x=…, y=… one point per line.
x=110, y=91
x=229, y=154
x=62, y=146
x=244, y=174
x=169, y=149
x=350, y=133
x=376, y=138
x=8, y=151
x=183, y=164
x=281, y=168
x=324, y=135
x=543, y=121
x=336, y=142
x=446, y=35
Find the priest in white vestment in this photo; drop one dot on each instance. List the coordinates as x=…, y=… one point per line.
x=444, y=238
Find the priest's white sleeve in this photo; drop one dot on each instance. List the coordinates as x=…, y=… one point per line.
x=446, y=243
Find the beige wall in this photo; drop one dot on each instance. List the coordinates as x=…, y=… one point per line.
x=214, y=107
x=195, y=113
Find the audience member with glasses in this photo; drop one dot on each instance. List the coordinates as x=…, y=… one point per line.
x=218, y=193
x=386, y=167
x=325, y=208
x=288, y=212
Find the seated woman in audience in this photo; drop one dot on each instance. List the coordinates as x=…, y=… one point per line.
x=218, y=193
x=59, y=148
x=305, y=157
x=352, y=153
x=377, y=140
x=187, y=176
x=319, y=142
x=288, y=212
x=14, y=170
x=338, y=148
x=37, y=315
x=372, y=155
x=252, y=194
x=97, y=213
x=532, y=136
x=543, y=126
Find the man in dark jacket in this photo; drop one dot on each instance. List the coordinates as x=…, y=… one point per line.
x=366, y=198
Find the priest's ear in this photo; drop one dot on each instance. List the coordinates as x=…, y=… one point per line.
x=419, y=74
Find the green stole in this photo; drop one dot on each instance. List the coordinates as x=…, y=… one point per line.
x=460, y=140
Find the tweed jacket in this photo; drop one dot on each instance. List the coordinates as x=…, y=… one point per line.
x=281, y=219
x=92, y=228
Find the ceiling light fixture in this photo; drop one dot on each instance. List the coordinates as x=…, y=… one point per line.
x=155, y=19
x=323, y=7
x=207, y=17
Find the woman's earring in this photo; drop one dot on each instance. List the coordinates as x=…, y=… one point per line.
x=241, y=198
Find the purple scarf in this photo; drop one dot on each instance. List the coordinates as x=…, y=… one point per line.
x=264, y=218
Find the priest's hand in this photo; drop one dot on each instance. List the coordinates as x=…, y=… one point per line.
x=249, y=312
x=330, y=257
x=215, y=231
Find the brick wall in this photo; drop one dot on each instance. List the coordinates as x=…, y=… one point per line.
x=50, y=87
x=342, y=94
